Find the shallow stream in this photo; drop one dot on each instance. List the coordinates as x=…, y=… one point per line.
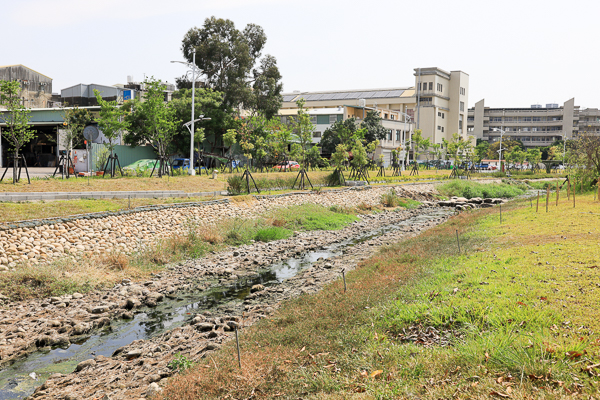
x=22, y=377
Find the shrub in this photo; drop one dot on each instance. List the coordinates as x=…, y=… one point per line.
x=235, y=184
x=272, y=233
x=390, y=199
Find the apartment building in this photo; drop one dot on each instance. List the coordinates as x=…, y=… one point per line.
x=589, y=121
x=535, y=126
x=436, y=104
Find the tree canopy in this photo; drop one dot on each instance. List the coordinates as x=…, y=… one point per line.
x=231, y=62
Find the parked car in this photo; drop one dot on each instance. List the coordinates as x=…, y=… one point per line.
x=289, y=165
x=183, y=163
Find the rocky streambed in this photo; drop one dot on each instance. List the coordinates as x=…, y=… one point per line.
x=119, y=343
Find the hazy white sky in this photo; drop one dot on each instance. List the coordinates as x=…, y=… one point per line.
x=517, y=53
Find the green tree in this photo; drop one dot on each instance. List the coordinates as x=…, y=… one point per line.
x=266, y=96
x=153, y=120
x=534, y=156
x=208, y=103
x=111, y=120
x=341, y=132
x=421, y=144
x=374, y=128
x=507, y=146
x=228, y=57
x=482, y=150
x=16, y=118
x=303, y=129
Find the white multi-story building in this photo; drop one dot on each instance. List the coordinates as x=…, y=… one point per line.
x=436, y=104
x=535, y=126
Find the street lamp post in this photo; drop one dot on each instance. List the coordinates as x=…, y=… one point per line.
x=406, y=116
x=195, y=70
x=500, y=150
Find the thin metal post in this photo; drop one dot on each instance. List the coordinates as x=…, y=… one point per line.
x=557, y=193
x=237, y=342
x=457, y=241
x=344, y=278
x=191, y=169
x=547, y=197
x=537, y=204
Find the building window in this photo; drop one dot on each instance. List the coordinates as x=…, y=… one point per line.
x=316, y=134
x=439, y=87
x=397, y=136
x=460, y=122
x=430, y=85
x=463, y=91
x=439, y=128
x=314, y=119
x=392, y=116
x=389, y=135
x=442, y=129
x=385, y=116
x=321, y=120
x=462, y=106
x=536, y=118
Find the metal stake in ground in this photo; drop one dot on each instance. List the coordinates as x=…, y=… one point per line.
x=458, y=242
x=344, y=278
x=547, y=196
x=237, y=342
x=537, y=204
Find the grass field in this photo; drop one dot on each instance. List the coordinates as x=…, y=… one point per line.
x=514, y=315
x=188, y=184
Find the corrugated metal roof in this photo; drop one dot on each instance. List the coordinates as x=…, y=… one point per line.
x=24, y=66
x=347, y=95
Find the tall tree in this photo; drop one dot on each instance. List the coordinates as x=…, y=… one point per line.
x=228, y=57
x=209, y=103
x=16, y=119
x=153, y=120
x=374, y=128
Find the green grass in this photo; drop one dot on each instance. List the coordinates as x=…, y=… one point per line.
x=517, y=307
x=272, y=233
x=469, y=190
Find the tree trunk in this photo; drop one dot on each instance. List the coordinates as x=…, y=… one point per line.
x=15, y=163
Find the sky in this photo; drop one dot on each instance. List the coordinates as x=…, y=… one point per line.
x=517, y=53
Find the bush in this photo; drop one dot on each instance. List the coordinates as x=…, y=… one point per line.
x=235, y=184
x=390, y=199
x=272, y=233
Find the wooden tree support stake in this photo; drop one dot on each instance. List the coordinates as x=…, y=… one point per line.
x=557, y=193
x=547, y=196
x=537, y=204
x=344, y=278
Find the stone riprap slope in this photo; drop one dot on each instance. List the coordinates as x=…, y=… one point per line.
x=129, y=231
